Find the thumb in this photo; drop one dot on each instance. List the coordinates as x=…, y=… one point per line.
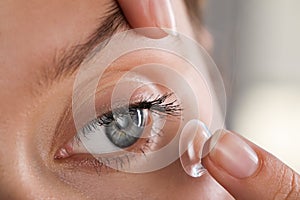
x=247, y=171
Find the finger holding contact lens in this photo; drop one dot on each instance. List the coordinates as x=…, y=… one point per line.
x=195, y=143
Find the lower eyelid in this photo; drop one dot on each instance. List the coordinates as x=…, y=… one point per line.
x=75, y=146
x=92, y=163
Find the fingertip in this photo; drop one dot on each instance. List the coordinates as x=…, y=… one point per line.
x=234, y=155
x=249, y=172
x=157, y=15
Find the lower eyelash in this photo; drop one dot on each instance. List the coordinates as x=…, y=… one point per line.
x=118, y=162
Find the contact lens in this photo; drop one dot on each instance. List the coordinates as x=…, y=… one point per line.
x=191, y=147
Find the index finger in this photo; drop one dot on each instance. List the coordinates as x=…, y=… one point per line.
x=249, y=172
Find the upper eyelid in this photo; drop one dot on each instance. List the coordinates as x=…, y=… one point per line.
x=86, y=91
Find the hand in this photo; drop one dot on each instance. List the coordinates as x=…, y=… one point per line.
x=249, y=172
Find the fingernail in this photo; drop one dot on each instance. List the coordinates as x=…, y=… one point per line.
x=234, y=155
x=163, y=13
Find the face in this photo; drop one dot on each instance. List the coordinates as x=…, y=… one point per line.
x=41, y=46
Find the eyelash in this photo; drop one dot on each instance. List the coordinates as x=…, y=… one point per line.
x=171, y=108
x=157, y=106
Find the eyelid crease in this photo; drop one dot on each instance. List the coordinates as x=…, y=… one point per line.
x=85, y=90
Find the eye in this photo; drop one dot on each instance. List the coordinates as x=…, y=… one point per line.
x=126, y=128
x=112, y=137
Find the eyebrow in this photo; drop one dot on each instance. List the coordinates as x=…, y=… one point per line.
x=67, y=61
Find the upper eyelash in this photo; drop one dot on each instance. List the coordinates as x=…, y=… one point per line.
x=157, y=105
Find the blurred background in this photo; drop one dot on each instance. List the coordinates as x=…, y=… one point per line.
x=256, y=47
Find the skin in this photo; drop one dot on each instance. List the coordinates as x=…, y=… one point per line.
x=32, y=33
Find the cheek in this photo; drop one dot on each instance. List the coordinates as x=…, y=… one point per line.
x=25, y=166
